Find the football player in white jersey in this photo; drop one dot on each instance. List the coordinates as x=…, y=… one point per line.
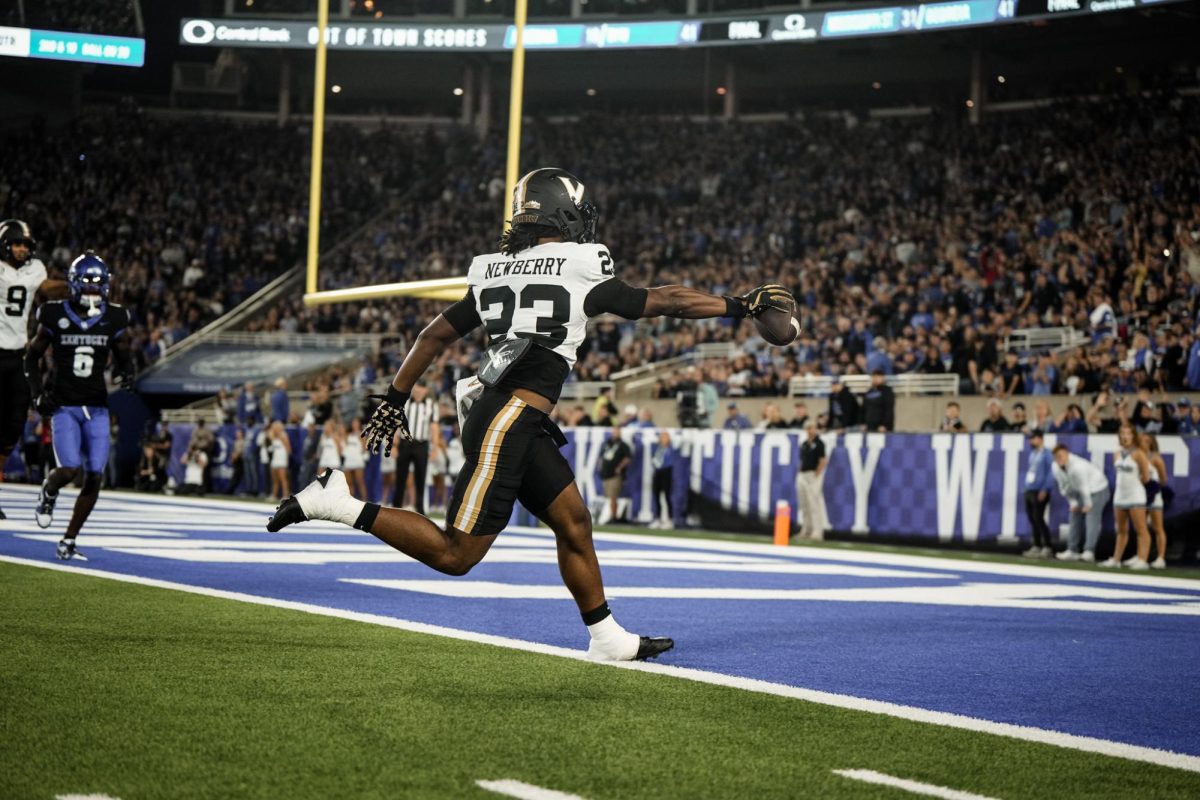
x=23, y=285
x=534, y=298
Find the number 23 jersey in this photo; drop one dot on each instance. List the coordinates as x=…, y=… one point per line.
x=547, y=293
x=81, y=346
x=18, y=285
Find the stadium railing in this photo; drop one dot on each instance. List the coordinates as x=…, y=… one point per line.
x=585, y=390
x=905, y=384
x=365, y=342
x=635, y=378
x=1026, y=339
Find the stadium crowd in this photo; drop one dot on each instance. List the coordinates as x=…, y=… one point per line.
x=913, y=245
x=205, y=215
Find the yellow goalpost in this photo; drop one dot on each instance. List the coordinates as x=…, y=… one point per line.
x=449, y=289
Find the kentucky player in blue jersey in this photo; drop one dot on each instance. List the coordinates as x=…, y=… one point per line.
x=82, y=331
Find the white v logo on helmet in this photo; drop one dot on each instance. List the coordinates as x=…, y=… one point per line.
x=574, y=189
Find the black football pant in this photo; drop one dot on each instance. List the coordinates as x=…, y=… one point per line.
x=415, y=454
x=662, y=491
x=1035, y=509
x=14, y=400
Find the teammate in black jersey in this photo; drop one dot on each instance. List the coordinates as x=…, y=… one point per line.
x=534, y=298
x=82, y=330
x=23, y=285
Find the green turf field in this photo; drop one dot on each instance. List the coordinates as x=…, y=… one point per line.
x=139, y=692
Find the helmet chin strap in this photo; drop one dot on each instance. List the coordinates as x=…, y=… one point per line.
x=93, y=303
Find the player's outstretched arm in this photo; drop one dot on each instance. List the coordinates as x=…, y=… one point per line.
x=617, y=297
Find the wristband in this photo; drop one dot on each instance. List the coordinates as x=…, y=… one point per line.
x=395, y=397
x=734, y=308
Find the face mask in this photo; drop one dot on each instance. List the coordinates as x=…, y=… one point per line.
x=93, y=304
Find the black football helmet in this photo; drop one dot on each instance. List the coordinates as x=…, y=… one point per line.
x=554, y=197
x=14, y=231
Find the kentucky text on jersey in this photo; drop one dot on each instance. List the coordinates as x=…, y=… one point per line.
x=527, y=266
x=84, y=339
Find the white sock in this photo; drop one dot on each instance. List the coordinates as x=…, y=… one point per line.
x=347, y=512
x=606, y=629
x=611, y=641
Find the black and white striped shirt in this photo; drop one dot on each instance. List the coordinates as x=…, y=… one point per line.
x=422, y=416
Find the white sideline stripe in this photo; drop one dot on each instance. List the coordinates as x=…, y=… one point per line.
x=916, y=787
x=130, y=501
x=84, y=797
x=524, y=791
x=1087, y=744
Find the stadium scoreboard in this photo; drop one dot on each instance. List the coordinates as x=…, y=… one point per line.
x=88, y=48
x=707, y=31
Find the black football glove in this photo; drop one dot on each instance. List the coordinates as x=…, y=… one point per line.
x=125, y=380
x=389, y=417
x=45, y=404
x=769, y=295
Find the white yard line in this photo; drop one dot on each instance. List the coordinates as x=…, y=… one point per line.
x=524, y=791
x=916, y=787
x=1085, y=744
x=84, y=797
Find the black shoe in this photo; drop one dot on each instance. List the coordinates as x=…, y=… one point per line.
x=286, y=513
x=68, y=551
x=653, y=647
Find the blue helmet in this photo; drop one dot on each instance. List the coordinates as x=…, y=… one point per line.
x=88, y=274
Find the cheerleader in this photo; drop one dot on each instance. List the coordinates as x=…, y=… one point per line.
x=353, y=461
x=1129, y=501
x=1158, y=471
x=281, y=452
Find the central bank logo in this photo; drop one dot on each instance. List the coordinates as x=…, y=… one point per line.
x=199, y=31
x=794, y=28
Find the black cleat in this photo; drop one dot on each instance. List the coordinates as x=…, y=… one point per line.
x=286, y=513
x=67, y=551
x=653, y=647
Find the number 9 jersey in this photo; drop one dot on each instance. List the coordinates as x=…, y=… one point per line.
x=81, y=347
x=18, y=285
x=547, y=293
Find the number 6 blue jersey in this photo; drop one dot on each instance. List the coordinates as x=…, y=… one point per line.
x=81, y=346
x=547, y=294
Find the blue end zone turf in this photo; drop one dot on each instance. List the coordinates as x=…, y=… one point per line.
x=1108, y=655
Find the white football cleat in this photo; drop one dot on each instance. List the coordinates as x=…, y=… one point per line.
x=326, y=498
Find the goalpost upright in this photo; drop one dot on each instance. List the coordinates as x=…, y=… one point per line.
x=448, y=289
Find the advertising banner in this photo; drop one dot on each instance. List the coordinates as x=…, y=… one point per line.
x=944, y=487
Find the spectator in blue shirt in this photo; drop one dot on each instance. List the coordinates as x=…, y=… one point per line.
x=663, y=457
x=1071, y=421
x=878, y=359
x=279, y=401
x=1193, y=365
x=249, y=410
x=1188, y=417
x=1039, y=479
x=737, y=421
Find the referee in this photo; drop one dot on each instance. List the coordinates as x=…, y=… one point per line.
x=810, y=488
x=423, y=425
